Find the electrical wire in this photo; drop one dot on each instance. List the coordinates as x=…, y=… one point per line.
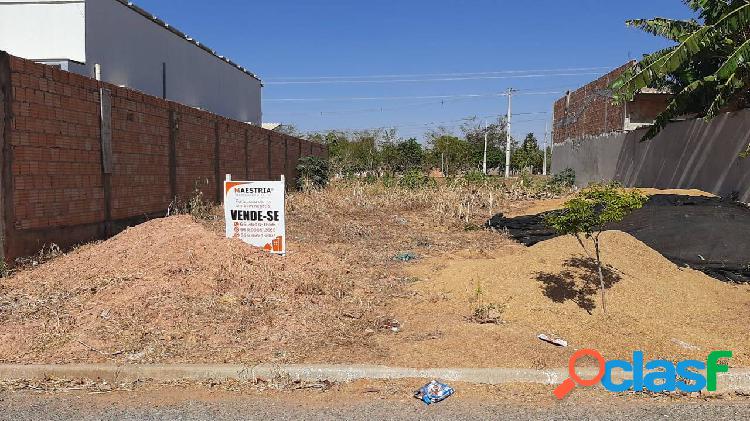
x=412, y=75
x=447, y=79
x=396, y=98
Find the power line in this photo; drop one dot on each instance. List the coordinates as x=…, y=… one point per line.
x=579, y=69
x=395, y=98
x=379, y=98
x=375, y=110
x=418, y=125
x=323, y=113
x=447, y=79
x=414, y=125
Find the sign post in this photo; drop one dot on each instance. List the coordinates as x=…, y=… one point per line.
x=254, y=212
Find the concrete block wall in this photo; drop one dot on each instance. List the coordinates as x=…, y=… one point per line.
x=690, y=154
x=55, y=188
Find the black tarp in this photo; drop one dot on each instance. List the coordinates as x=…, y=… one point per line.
x=705, y=233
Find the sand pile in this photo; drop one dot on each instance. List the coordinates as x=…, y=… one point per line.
x=552, y=288
x=170, y=290
x=700, y=232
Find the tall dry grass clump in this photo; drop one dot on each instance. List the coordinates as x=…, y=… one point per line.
x=448, y=202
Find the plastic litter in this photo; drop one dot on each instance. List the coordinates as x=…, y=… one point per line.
x=434, y=392
x=391, y=324
x=553, y=341
x=405, y=257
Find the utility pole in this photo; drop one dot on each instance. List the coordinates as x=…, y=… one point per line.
x=508, y=137
x=484, y=163
x=546, y=133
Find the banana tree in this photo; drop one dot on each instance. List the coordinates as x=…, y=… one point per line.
x=708, y=68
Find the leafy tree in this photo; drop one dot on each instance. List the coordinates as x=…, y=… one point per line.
x=355, y=153
x=313, y=172
x=528, y=155
x=289, y=129
x=474, y=133
x=708, y=70
x=389, y=157
x=410, y=154
x=589, y=213
x=449, y=152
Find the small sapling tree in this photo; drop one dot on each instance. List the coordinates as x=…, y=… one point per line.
x=588, y=214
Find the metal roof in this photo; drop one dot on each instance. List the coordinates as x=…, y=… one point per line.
x=184, y=36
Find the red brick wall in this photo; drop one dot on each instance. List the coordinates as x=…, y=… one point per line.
x=258, y=151
x=589, y=111
x=55, y=149
x=278, y=155
x=54, y=186
x=196, y=146
x=140, y=153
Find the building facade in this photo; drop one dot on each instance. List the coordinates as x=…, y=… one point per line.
x=122, y=44
x=590, y=111
x=603, y=141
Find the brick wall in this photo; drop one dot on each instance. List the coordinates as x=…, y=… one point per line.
x=589, y=111
x=55, y=187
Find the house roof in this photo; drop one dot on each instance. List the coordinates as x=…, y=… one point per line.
x=186, y=37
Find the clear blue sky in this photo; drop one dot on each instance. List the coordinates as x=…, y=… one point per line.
x=280, y=39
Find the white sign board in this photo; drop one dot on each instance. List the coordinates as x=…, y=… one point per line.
x=254, y=213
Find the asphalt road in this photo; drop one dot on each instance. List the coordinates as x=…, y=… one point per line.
x=31, y=406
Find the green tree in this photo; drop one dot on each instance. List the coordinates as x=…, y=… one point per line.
x=528, y=155
x=450, y=153
x=389, y=157
x=708, y=70
x=589, y=213
x=350, y=153
x=410, y=154
x=289, y=129
x=474, y=133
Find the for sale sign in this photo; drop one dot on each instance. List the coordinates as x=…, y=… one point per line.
x=254, y=213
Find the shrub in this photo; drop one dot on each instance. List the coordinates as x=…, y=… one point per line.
x=475, y=177
x=314, y=172
x=526, y=179
x=565, y=178
x=589, y=213
x=389, y=181
x=416, y=179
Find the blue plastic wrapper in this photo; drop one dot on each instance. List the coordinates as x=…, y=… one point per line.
x=434, y=392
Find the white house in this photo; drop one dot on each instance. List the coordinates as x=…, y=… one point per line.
x=132, y=48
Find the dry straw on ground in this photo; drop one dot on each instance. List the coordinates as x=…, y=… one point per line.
x=175, y=290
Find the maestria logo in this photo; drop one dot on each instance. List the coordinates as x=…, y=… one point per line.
x=655, y=376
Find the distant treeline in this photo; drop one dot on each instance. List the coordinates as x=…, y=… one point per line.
x=381, y=152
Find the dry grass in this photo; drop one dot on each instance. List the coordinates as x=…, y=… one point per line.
x=452, y=204
x=175, y=290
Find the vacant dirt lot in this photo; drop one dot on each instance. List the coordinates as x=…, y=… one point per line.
x=175, y=290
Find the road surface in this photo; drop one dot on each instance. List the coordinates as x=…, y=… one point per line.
x=187, y=405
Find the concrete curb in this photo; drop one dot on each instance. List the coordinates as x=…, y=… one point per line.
x=737, y=380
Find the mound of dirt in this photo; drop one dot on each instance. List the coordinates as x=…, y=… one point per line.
x=705, y=233
x=172, y=291
x=552, y=288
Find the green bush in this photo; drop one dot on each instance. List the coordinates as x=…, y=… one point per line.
x=389, y=181
x=416, y=179
x=565, y=178
x=314, y=172
x=475, y=177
